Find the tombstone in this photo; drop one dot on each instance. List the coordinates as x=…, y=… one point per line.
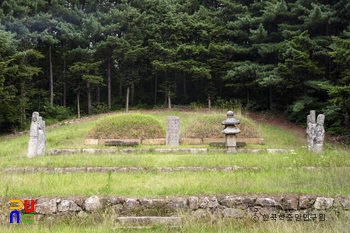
x=172, y=130
x=37, y=139
x=315, y=132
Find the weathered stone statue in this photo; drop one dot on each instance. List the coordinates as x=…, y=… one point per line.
x=41, y=137
x=319, y=134
x=37, y=139
x=310, y=130
x=315, y=132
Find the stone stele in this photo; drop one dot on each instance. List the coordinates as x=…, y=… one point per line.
x=172, y=130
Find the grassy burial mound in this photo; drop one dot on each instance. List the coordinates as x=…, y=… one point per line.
x=128, y=126
x=209, y=126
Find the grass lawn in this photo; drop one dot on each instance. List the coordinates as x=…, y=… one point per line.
x=275, y=174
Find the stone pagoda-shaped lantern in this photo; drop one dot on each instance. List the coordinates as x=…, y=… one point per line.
x=230, y=132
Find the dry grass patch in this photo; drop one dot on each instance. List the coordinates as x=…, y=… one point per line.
x=125, y=126
x=209, y=126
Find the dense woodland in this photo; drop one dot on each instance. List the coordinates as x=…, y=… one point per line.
x=79, y=57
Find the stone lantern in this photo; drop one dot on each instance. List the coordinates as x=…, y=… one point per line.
x=230, y=132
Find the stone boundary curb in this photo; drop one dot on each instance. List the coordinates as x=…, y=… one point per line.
x=295, y=207
x=160, y=150
x=67, y=170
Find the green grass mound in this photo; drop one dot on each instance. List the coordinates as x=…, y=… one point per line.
x=125, y=126
x=209, y=126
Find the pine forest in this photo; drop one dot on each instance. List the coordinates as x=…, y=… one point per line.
x=70, y=58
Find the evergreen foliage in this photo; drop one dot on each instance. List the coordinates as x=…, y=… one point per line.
x=285, y=55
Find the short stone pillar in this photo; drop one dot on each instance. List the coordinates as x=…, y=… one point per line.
x=37, y=138
x=230, y=132
x=315, y=132
x=172, y=130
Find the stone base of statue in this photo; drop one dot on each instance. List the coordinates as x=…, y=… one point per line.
x=230, y=143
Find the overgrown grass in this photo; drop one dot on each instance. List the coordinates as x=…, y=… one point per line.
x=190, y=224
x=327, y=181
x=209, y=126
x=277, y=173
x=126, y=126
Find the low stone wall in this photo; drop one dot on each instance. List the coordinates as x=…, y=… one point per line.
x=187, y=141
x=160, y=150
x=292, y=207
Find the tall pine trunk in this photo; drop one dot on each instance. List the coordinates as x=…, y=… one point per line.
x=64, y=75
x=209, y=102
x=132, y=93
x=169, y=100
x=109, y=79
x=88, y=97
x=127, y=99
x=50, y=74
x=78, y=104
x=155, y=90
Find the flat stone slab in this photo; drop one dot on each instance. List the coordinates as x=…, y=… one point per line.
x=150, y=220
x=121, y=143
x=222, y=144
x=64, y=151
x=183, y=150
x=253, y=151
x=91, y=141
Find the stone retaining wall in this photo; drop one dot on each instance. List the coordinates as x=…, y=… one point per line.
x=292, y=207
x=187, y=141
x=160, y=150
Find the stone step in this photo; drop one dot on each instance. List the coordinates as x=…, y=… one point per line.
x=120, y=143
x=144, y=221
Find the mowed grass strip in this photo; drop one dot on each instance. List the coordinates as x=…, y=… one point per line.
x=332, y=157
x=327, y=181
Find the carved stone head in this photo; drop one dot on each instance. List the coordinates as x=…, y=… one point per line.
x=320, y=119
x=35, y=116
